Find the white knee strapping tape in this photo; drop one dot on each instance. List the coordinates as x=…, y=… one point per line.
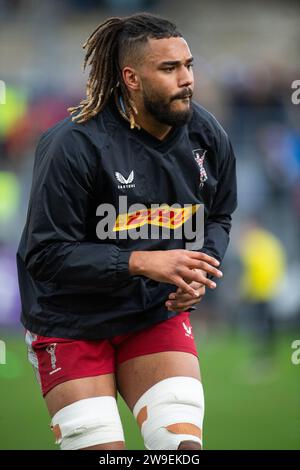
x=170, y=402
x=88, y=422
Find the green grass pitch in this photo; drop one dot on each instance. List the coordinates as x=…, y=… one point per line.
x=246, y=407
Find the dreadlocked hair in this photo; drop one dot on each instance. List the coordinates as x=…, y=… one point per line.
x=106, y=48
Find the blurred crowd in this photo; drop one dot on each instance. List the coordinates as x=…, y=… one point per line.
x=9, y=8
x=252, y=99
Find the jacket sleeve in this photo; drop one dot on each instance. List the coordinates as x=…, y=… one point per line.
x=62, y=198
x=218, y=223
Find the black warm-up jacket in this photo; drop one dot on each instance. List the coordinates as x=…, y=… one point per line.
x=75, y=284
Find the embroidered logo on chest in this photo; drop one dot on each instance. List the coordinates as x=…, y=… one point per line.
x=199, y=155
x=125, y=183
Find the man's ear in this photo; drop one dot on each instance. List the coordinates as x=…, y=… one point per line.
x=131, y=78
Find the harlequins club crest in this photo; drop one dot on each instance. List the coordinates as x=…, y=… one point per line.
x=199, y=155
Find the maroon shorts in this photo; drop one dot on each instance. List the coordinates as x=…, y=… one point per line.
x=57, y=360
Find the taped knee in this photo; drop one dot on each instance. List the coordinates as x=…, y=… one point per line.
x=87, y=423
x=170, y=412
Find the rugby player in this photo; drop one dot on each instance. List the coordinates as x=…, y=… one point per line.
x=112, y=315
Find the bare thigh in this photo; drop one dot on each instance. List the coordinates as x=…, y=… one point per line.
x=137, y=375
x=74, y=390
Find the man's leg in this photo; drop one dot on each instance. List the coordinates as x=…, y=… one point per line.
x=136, y=376
x=78, y=383
x=73, y=391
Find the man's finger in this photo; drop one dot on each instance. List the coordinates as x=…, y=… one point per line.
x=182, y=305
x=184, y=296
x=179, y=282
x=203, y=256
x=191, y=275
x=194, y=285
x=204, y=266
x=173, y=295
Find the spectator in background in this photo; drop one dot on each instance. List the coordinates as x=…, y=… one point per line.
x=263, y=261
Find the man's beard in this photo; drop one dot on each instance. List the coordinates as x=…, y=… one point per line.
x=162, y=112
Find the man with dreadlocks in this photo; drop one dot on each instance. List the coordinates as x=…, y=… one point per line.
x=107, y=315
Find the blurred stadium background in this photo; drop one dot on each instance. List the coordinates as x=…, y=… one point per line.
x=246, y=58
